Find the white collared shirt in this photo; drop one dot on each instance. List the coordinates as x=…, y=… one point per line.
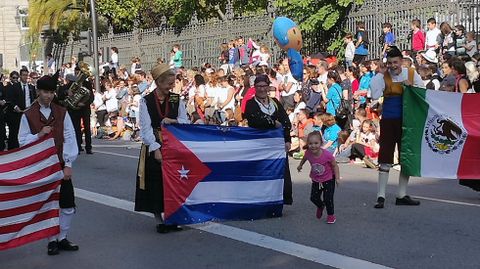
x=146, y=129
x=70, y=148
x=26, y=92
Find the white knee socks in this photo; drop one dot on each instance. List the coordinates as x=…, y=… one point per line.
x=382, y=183
x=65, y=219
x=402, y=185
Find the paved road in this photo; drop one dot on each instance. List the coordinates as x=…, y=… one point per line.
x=441, y=233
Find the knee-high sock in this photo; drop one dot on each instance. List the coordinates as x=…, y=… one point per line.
x=65, y=219
x=382, y=183
x=158, y=217
x=402, y=185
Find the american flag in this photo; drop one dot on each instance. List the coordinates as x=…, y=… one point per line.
x=29, y=191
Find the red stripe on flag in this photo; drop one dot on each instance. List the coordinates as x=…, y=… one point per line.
x=35, y=158
x=39, y=141
x=28, y=193
x=469, y=167
x=45, y=233
x=45, y=172
x=28, y=208
x=53, y=213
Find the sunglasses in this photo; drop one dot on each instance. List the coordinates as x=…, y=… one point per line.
x=14, y=77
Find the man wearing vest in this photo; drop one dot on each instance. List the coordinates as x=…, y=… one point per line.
x=390, y=86
x=43, y=118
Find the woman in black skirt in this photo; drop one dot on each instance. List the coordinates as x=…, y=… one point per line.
x=263, y=112
x=159, y=107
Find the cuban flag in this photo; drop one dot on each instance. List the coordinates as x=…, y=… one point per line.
x=222, y=173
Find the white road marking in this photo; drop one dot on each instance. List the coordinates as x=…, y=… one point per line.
x=446, y=201
x=116, y=154
x=132, y=146
x=290, y=248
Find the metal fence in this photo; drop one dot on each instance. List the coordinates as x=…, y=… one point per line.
x=200, y=40
x=401, y=12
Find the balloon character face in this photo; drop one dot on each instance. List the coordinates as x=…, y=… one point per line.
x=295, y=62
x=286, y=34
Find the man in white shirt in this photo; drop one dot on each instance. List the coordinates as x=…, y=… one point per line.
x=390, y=85
x=322, y=72
x=288, y=86
x=46, y=118
x=431, y=40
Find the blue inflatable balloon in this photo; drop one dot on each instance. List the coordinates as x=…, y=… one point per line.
x=295, y=62
x=286, y=34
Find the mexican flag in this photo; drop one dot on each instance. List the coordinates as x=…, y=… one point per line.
x=441, y=134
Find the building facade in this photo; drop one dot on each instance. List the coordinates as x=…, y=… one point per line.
x=13, y=28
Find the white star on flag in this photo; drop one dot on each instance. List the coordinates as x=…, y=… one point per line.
x=183, y=173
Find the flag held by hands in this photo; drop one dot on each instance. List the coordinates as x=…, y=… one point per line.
x=29, y=191
x=222, y=173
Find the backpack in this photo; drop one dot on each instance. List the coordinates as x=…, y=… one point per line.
x=343, y=110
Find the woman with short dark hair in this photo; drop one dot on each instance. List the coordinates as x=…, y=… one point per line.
x=264, y=112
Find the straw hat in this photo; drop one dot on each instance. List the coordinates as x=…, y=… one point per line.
x=159, y=70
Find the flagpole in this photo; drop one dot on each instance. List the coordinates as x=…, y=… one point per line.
x=93, y=14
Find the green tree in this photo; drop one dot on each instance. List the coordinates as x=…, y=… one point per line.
x=318, y=15
x=55, y=17
x=122, y=14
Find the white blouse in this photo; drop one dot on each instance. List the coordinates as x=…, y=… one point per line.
x=145, y=123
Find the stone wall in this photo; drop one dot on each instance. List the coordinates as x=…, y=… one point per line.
x=10, y=33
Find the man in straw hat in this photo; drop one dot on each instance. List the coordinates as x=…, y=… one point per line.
x=390, y=86
x=44, y=118
x=158, y=107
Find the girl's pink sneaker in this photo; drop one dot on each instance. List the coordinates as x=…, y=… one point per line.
x=319, y=212
x=331, y=219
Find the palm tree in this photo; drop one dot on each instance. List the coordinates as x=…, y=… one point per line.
x=47, y=15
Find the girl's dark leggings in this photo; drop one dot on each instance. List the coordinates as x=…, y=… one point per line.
x=328, y=189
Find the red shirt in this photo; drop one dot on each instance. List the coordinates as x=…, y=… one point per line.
x=418, y=40
x=355, y=85
x=249, y=95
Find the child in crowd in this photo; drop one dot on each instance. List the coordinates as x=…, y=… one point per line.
x=349, y=50
x=330, y=132
x=324, y=174
x=362, y=144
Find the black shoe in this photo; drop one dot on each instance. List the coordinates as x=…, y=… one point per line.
x=288, y=201
x=163, y=228
x=380, y=202
x=53, y=248
x=89, y=151
x=80, y=149
x=406, y=200
x=174, y=228
x=67, y=245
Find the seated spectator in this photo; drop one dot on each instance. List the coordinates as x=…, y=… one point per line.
x=362, y=144
x=304, y=127
x=330, y=134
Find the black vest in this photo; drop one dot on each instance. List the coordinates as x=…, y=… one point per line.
x=173, y=103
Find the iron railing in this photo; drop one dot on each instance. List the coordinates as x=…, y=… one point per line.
x=400, y=13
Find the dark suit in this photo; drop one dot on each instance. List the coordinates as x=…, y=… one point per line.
x=16, y=98
x=3, y=133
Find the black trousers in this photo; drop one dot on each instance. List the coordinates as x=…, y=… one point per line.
x=67, y=195
x=287, y=185
x=102, y=117
x=13, y=122
x=327, y=188
x=358, y=151
x=3, y=132
x=77, y=117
